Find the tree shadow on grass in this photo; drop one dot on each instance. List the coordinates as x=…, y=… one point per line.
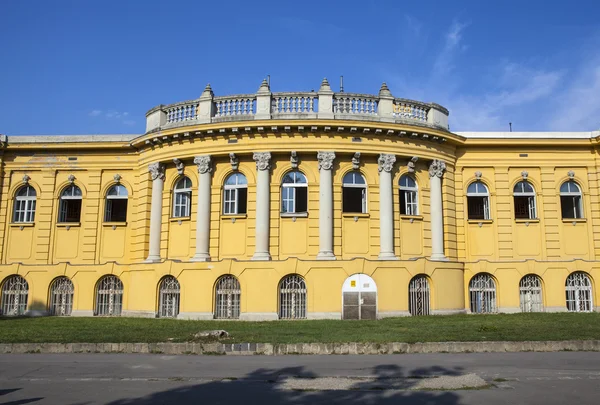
x=266, y=387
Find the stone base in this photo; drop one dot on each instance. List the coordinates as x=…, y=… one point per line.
x=138, y=314
x=259, y=316
x=448, y=311
x=82, y=312
x=509, y=310
x=152, y=259
x=392, y=314
x=324, y=315
x=200, y=258
x=326, y=256
x=387, y=256
x=37, y=312
x=261, y=256
x=439, y=258
x=198, y=316
x=556, y=309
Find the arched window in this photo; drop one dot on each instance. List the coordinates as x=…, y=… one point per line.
x=482, y=291
x=61, y=296
x=109, y=296
x=354, y=193
x=182, y=198
x=294, y=193
x=168, y=302
x=524, y=197
x=418, y=292
x=70, y=205
x=530, y=293
x=227, y=295
x=292, y=297
x=24, y=207
x=579, y=292
x=409, y=196
x=116, y=204
x=570, y=200
x=235, y=194
x=14, y=296
x=478, y=201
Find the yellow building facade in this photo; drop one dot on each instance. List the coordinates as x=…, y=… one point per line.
x=299, y=206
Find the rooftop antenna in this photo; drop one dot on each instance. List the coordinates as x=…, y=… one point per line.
x=269, y=80
x=510, y=126
x=341, y=84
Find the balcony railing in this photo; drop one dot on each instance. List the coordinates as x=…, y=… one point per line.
x=324, y=104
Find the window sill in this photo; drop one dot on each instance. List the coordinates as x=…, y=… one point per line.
x=567, y=220
x=22, y=224
x=236, y=216
x=114, y=224
x=480, y=221
x=355, y=215
x=68, y=224
x=179, y=219
x=527, y=221
x=411, y=217
x=293, y=214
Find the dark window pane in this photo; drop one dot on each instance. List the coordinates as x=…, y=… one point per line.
x=476, y=207
x=242, y=200
x=301, y=199
x=402, y=203
x=352, y=200
x=567, y=208
x=72, y=210
x=522, y=208
x=116, y=210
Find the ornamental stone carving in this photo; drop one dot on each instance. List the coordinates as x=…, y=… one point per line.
x=203, y=163
x=294, y=160
x=117, y=178
x=478, y=175
x=26, y=179
x=157, y=170
x=71, y=178
x=178, y=165
x=571, y=174
x=325, y=160
x=524, y=174
x=263, y=160
x=436, y=168
x=386, y=162
x=411, y=165
x=356, y=161
x=235, y=162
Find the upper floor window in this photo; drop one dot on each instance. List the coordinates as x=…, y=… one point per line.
x=570, y=200
x=478, y=201
x=24, y=207
x=116, y=204
x=524, y=196
x=235, y=194
x=409, y=203
x=354, y=193
x=70, y=205
x=294, y=193
x=182, y=198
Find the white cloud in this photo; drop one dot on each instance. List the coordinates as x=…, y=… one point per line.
x=444, y=62
x=113, y=115
x=95, y=113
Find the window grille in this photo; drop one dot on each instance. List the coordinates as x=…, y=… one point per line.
x=354, y=193
x=482, y=292
x=579, y=292
x=116, y=204
x=524, y=198
x=14, y=296
x=294, y=193
x=235, y=194
x=478, y=201
x=292, y=298
x=409, y=203
x=530, y=292
x=182, y=198
x=418, y=292
x=24, y=206
x=570, y=200
x=61, y=297
x=169, y=297
x=109, y=296
x=228, y=293
x=70, y=205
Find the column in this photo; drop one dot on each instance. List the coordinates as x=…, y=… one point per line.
x=325, y=205
x=263, y=185
x=436, y=171
x=157, y=172
x=203, y=209
x=386, y=207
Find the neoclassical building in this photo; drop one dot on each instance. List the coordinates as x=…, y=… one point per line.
x=301, y=205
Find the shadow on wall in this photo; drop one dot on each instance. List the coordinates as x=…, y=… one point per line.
x=266, y=387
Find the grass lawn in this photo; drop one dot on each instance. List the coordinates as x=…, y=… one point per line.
x=558, y=326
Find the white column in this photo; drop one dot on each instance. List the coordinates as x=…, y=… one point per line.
x=386, y=207
x=203, y=209
x=157, y=171
x=436, y=171
x=263, y=185
x=325, y=205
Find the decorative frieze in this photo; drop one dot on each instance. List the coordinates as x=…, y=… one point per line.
x=263, y=160
x=386, y=162
x=437, y=168
x=203, y=163
x=157, y=170
x=325, y=160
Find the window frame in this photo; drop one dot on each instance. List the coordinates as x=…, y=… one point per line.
x=486, y=200
x=185, y=207
x=24, y=206
x=363, y=187
x=574, y=195
x=231, y=194
x=531, y=199
x=63, y=206
x=411, y=196
x=291, y=188
x=108, y=202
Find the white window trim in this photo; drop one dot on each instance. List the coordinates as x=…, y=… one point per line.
x=293, y=187
x=486, y=200
x=574, y=194
x=28, y=209
x=531, y=202
x=187, y=206
x=236, y=195
x=362, y=186
x=410, y=191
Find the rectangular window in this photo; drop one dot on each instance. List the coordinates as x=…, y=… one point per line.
x=408, y=203
x=70, y=211
x=478, y=208
x=288, y=195
x=571, y=207
x=182, y=205
x=301, y=199
x=234, y=201
x=354, y=200
x=116, y=210
x=242, y=199
x=24, y=211
x=525, y=207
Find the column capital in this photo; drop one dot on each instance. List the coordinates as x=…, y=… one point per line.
x=437, y=168
x=325, y=160
x=386, y=162
x=203, y=163
x=263, y=160
x=157, y=170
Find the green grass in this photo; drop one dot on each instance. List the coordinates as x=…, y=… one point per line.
x=558, y=326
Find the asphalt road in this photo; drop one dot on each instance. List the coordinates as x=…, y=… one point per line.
x=513, y=378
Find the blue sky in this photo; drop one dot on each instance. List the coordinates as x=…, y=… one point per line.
x=89, y=67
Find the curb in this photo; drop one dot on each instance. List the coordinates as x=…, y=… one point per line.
x=302, y=348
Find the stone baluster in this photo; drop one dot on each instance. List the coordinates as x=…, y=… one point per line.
x=263, y=167
x=386, y=207
x=157, y=172
x=325, y=205
x=436, y=171
x=204, y=164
